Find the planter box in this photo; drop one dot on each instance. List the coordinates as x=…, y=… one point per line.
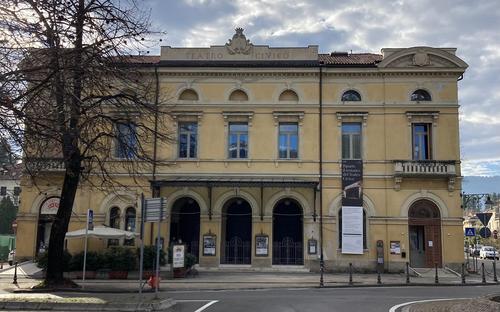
x=118, y=274
x=88, y=274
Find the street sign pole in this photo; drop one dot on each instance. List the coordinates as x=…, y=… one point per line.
x=89, y=224
x=157, y=281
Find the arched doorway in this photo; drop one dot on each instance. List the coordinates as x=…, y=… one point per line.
x=236, y=232
x=185, y=224
x=288, y=231
x=424, y=229
x=46, y=216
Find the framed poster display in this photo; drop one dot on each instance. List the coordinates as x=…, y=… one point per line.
x=209, y=244
x=312, y=247
x=261, y=245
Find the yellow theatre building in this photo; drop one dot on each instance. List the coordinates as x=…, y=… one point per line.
x=284, y=155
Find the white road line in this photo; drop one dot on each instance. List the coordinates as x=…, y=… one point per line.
x=394, y=308
x=206, y=305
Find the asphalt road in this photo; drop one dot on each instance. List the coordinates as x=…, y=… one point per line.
x=333, y=299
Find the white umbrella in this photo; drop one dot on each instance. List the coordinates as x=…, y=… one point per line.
x=102, y=232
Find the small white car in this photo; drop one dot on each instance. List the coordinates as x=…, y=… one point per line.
x=488, y=252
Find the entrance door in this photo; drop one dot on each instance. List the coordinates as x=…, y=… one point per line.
x=424, y=228
x=417, y=246
x=185, y=224
x=288, y=246
x=237, y=232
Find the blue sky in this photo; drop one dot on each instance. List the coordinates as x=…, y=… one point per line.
x=366, y=26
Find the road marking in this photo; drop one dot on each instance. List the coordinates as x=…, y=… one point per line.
x=394, y=308
x=206, y=305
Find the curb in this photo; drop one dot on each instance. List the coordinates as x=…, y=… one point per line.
x=12, y=267
x=125, y=291
x=54, y=306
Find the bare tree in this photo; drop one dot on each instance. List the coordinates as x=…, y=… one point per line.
x=70, y=90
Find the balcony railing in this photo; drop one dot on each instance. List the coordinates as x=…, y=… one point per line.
x=416, y=168
x=44, y=164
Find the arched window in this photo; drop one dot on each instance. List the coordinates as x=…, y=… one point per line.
x=189, y=95
x=129, y=224
x=289, y=95
x=238, y=95
x=364, y=229
x=420, y=95
x=424, y=209
x=351, y=96
x=114, y=222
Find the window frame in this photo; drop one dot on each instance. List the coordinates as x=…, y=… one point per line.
x=125, y=150
x=425, y=94
x=117, y=218
x=188, y=141
x=128, y=216
x=427, y=138
x=351, y=92
x=351, y=141
x=288, y=135
x=238, y=144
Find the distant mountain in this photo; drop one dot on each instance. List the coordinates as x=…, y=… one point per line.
x=478, y=184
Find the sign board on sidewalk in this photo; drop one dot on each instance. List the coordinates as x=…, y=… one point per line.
x=484, y=217
x=178, y=256
x=470, y=232
x=155, y=209
x=485, y=232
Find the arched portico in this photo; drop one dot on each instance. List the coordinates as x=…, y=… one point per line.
x=236, y=247
x=185, y=224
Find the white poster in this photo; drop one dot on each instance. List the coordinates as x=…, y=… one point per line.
x=178, y=256
x=352, y=230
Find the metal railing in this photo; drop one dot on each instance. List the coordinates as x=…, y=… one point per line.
x=288, y=252
x=237, y=251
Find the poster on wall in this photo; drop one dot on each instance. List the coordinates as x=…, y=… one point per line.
x=395, y=247
x=352, y=230
x=209, y=245
x=352, y=182
x=261, y=245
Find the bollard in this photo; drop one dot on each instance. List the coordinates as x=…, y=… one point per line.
x=350, y=273
x=321, y=270
x=15, y=273
x=436, y=277
x=463, y=273
x=379, y=279
x=407, y=273
x=495, y=279
x=483, y=275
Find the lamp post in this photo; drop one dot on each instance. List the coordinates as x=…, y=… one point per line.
x=467, y=199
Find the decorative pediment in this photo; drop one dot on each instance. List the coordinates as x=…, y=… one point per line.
x=421, y=57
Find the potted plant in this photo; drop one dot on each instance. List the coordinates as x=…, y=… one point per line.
x=76, y=265
x=189, y=262
x=149, y=260
x=121, y=261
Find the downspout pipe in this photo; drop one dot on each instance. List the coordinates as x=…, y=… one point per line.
x=320, y=185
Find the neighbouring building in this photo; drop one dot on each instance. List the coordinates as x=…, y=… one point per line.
x=285, y=153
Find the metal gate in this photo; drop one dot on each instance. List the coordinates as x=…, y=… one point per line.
x=288, y=252
x=193, y=248
x=237, y=251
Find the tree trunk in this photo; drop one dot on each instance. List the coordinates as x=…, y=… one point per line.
x=55, y=267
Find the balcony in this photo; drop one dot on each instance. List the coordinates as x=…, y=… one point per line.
x=44, y=164
x=425, y=169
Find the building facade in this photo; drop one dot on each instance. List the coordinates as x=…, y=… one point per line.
x=258, y=175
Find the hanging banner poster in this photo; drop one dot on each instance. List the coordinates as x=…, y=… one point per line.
x=352, y=182
x=352, y=230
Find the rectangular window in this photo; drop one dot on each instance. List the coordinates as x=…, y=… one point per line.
x=421, y=137
x=351, y=140
x=17, y=190
x=188, y=139
x=238, y=140
x=126, y=140
x=3, y=191
x=288, y=142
